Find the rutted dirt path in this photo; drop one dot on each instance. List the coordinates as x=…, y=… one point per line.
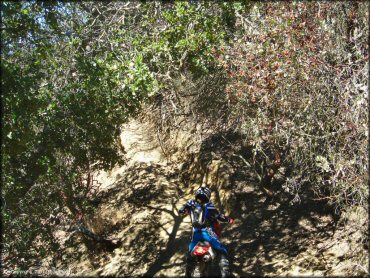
x=139, y=207
x=139, y=203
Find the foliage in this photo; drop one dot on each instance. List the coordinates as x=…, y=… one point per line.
x=298, y=79
x=62, y=112
x=72, y=74
x=291, y=76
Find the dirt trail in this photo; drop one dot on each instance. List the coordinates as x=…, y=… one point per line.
x=140, y=207
x=139, y=204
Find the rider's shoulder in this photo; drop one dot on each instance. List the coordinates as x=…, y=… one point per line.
x=210, y=205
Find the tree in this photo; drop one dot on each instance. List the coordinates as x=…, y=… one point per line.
x=72, y=74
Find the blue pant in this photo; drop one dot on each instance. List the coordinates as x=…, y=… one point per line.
x=210, y=236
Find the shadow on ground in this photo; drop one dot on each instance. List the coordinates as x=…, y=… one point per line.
x=270, y=230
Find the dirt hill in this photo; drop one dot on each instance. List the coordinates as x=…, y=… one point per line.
x=137, y=209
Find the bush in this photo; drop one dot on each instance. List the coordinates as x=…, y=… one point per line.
x=298, y=79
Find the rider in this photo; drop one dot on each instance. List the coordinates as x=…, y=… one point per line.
x=204, y=217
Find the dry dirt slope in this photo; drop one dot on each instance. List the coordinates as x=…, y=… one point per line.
x=138, y=206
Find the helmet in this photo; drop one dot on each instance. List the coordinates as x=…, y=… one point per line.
x=203, y=193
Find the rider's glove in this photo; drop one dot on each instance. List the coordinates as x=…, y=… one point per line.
x=231, y=221
x=182, y=211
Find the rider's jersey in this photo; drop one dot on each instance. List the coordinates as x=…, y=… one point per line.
x=203, y=215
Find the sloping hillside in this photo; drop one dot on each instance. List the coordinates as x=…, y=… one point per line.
x=137, y=209
x=116, y=112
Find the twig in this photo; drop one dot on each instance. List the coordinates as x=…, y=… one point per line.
x=364, y=269
x=242, y=158
x=160, y=142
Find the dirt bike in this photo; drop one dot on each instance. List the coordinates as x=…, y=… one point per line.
x=208, y=262
x=205, y=257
